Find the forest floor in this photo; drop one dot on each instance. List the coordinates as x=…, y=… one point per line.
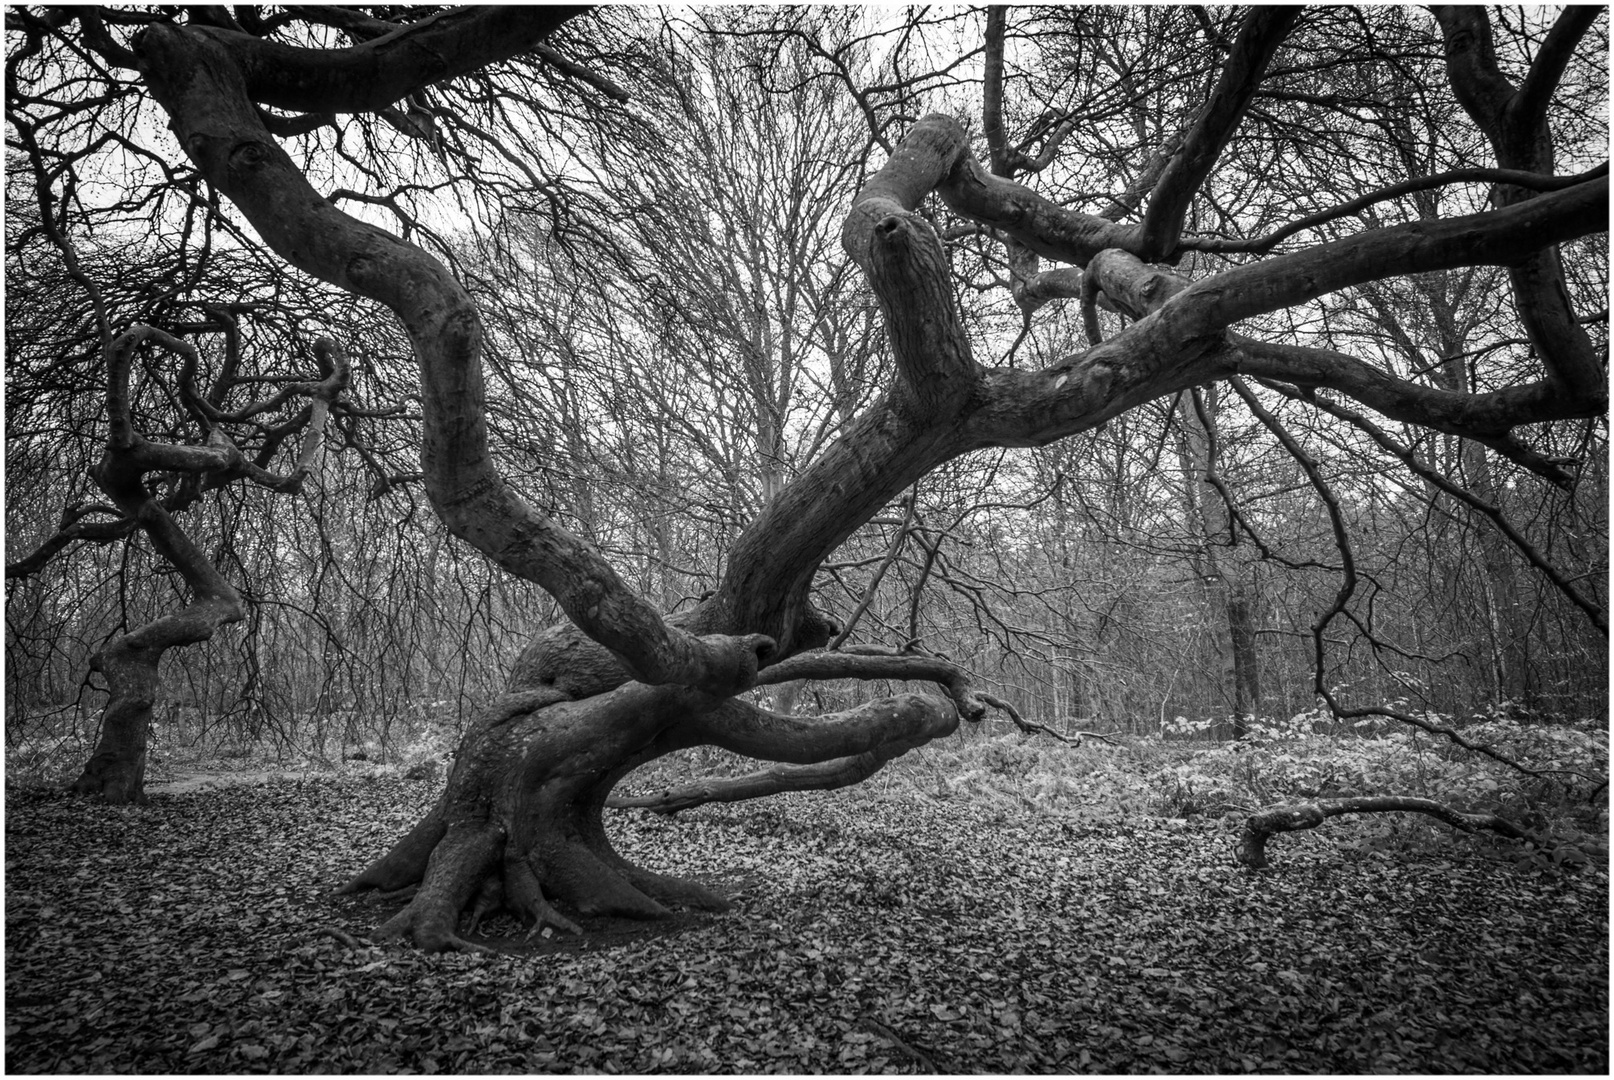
x=887, y=928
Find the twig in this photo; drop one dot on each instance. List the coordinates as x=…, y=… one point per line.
x=340, y=935
x=1019, y=721
x=884, y=1032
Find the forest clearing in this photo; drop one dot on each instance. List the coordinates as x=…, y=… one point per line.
x=807, y=538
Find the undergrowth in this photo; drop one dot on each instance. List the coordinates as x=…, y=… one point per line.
x=1090, y=784
x=1099, y=783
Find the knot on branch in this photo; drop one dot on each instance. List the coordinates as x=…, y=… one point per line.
x=730, y=664
x=904, y=250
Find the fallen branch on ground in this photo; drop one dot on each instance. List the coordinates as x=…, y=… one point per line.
x=1296, y=816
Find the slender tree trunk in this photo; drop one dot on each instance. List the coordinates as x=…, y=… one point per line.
x=1224, y=574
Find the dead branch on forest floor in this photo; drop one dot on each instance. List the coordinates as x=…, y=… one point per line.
x=1264, y=824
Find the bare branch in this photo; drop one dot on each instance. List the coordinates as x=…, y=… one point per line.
x=1534, y=557
x=1263, y=31
x=373, y=75
x=1262, y=244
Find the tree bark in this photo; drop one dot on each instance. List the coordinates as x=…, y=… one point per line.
x=1225, y=576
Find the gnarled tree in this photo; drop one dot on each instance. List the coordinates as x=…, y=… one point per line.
x=519, y=822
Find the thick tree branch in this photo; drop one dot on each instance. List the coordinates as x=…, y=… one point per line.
x=926, y=154
x=1004, y=158
x=1471, y=66
x=824, y=776
x=1528, y=108
x=836, y=749
x=1027, y=218
x=373, y=75
x=1498, y=237
x=1486, y=417
x=1516, y=124
x=906, y=719
x=1263, y=31
x=909, y=272
x=197, y=81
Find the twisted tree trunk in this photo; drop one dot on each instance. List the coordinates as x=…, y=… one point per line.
x=117, y=770
x=519, y=823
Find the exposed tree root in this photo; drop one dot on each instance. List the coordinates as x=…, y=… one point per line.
x=660, y=887
x=459, y=864
x=1292, y=818
x=405, y=865
x=579, y=878
x=339, y=935
x=518, y=827
x=406, y=893
x=524, y=895
x=870, y=1024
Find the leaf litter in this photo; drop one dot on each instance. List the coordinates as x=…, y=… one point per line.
x=871, y=933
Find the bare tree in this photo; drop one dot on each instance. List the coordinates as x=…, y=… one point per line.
x=519, y=823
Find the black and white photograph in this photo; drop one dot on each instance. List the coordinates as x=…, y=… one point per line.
x=806, y=539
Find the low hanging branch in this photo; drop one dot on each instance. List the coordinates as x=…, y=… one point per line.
x=837, y=749
x=1347, y=588
x=1260, y=826
x=1490, y=510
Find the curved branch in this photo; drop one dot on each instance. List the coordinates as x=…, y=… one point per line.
x=1516, y=125
x=69, y=534
x=909, y=272
x=1260, y=827
x=883, y=665
x=196, y=80
x=1263, y=31
x=861, y=739
x=1497, y=237
x=919, y=162
x=824, y=776
x=1004, y=159
x=1485, y=418
x=1027, y=218
x=1528, y=108
x=906, y=719
x=1262, y=244
x=373, y=75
